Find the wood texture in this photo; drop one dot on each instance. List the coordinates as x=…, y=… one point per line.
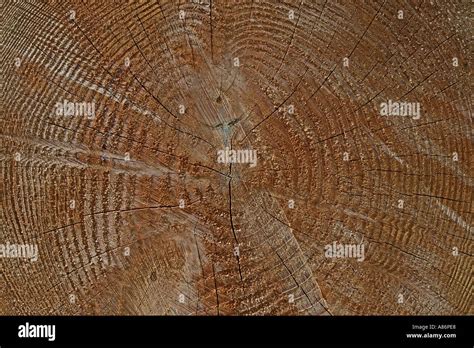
x=100, y=196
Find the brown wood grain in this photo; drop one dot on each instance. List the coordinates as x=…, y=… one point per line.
x=125, y=246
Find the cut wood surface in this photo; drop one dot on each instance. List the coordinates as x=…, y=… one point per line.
x=236, y=158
